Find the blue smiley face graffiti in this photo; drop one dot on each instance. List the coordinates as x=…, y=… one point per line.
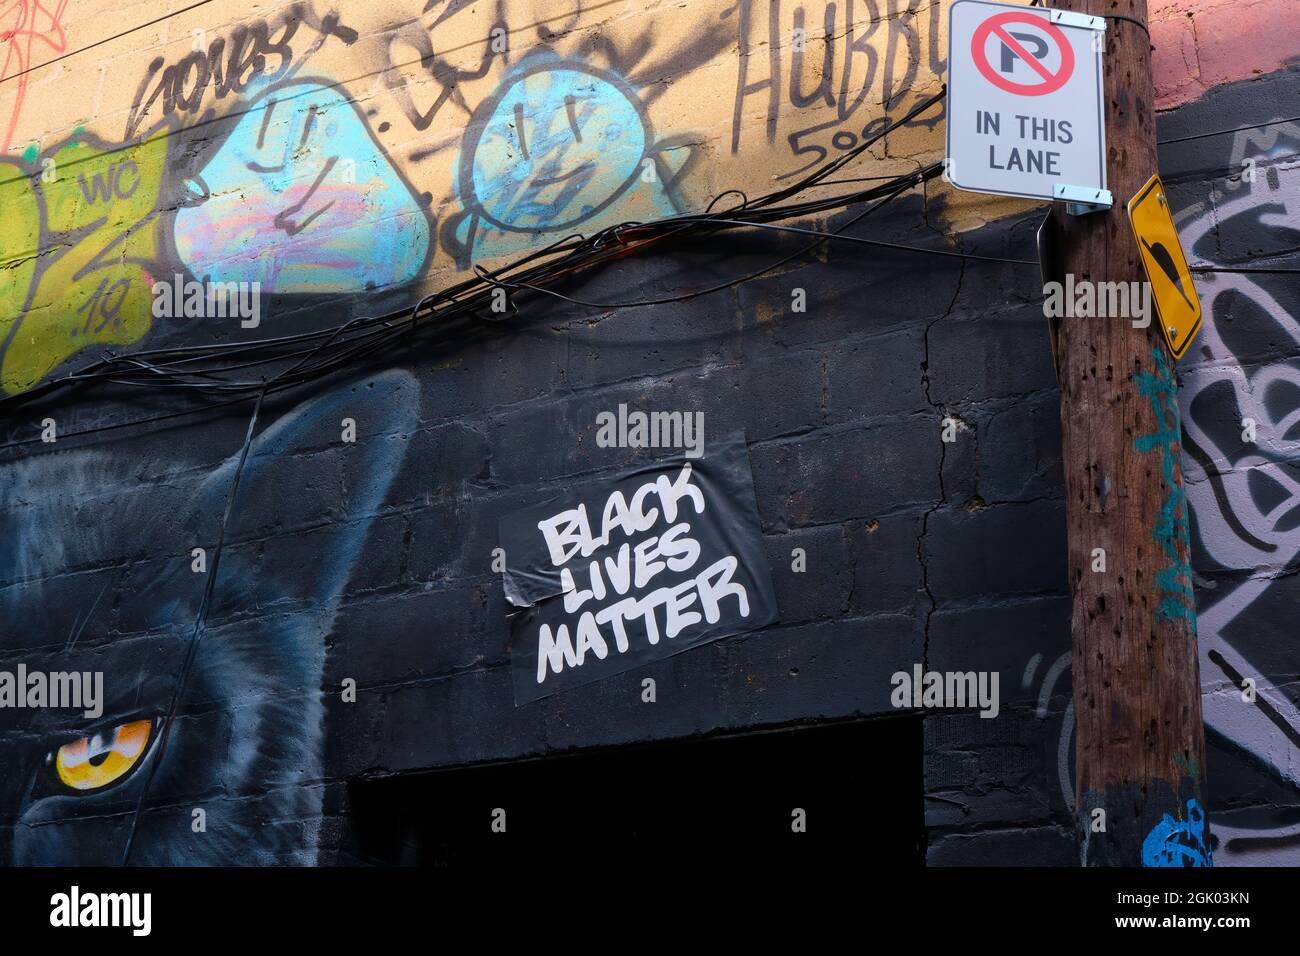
x=301, y=197
x=561, y=145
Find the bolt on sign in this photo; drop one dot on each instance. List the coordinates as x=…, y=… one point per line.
x=1025, y=107
x=1172, y=291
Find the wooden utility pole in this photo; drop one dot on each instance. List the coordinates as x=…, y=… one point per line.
x=1137, y=708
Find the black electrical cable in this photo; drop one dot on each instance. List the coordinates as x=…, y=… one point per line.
x=1112, y=16
x=821, y=237
x=1245, y=270
x=1224, y=132
x=950, y=253
x=307, y=356
x=1137, y=23
x=289, y=360
x=687, y=296
x=294, y=359
x=164, y=729
x=1217, y=172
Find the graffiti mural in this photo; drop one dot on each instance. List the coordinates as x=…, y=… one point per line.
x=1171, y=532
x=232, y=64
x=297, y=197
x=235, y=167
x=281, y=152
x=245, y=743
x=29, y=31
x=412, y=43
x=1182, y=842
x=81, y=237
x=561, y=146
x=300, y=198
x=319, y=152
x=1242, y=428
x=1244, y=496
x=325, y=153
x=847, y=65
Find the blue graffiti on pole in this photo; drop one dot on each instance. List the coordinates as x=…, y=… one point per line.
x=561, y=144
x=1172, y=531
x=1179, y=842
x=301, y=198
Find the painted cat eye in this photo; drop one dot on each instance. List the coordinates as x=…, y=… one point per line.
x=94, y=762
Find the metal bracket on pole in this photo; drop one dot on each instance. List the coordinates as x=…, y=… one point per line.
x=1081, y=200
x=1068, y=18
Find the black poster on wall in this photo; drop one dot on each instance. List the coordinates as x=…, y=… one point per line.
x=634, y=568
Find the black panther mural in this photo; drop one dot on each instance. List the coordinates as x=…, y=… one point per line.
x=99, y=574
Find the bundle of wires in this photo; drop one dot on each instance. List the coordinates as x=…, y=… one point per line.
x=235, y=372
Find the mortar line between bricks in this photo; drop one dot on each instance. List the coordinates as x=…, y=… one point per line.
x=560, y=397
x=504, y=663
x=450, y=583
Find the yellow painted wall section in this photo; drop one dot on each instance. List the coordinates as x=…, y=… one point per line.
x=321, y=150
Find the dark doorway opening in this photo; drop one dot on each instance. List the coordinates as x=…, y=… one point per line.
x=727, y=799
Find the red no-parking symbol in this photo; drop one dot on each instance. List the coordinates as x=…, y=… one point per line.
x=1014, y=49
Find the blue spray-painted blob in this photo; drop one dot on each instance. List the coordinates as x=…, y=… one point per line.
x=1173, y=530
x=301, y=198
x=559, y=146
x=1179, y=842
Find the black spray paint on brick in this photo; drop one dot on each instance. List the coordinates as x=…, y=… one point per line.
x=635, y=568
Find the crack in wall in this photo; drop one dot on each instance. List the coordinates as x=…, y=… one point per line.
x=943, y=459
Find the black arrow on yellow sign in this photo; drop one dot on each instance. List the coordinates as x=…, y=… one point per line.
x=1166, y=262
x=1173, y=292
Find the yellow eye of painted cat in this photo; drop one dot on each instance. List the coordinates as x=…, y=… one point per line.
x=90, y=763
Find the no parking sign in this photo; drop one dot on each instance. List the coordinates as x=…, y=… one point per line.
x=1025, y=108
